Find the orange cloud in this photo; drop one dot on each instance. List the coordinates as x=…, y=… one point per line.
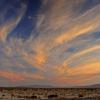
x=14, y=77
x=8, y=26
x=35, y=60
x=77, y=75
x=84, y=69
x=72, y=33
x=17, y=77
x=79, y=54
x=40, y=59
x=38, y=56
x=82, y=25
x=35, y=76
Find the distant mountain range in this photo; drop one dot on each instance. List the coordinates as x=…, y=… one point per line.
x=94, y=86
x=89, y=86
x=37, y=86
x=51, y=86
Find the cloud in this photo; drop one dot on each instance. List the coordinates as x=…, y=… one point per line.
x=79, y=54
x=12, y=76
x=8, y=26
x=64, y=50
x=82, y=25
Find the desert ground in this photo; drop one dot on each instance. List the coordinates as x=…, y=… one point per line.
x=49, y=94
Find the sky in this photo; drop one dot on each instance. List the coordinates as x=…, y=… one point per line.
x=49, y=42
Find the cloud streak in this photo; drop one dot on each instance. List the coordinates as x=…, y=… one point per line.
x=63, y=49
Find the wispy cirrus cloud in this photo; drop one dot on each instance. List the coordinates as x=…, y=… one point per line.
x=64, y=46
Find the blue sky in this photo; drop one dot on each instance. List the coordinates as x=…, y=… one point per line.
x=49, y=42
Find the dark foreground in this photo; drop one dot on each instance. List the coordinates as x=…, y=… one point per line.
x=49, y=94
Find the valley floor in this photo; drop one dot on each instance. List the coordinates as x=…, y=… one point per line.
x=49, y=94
